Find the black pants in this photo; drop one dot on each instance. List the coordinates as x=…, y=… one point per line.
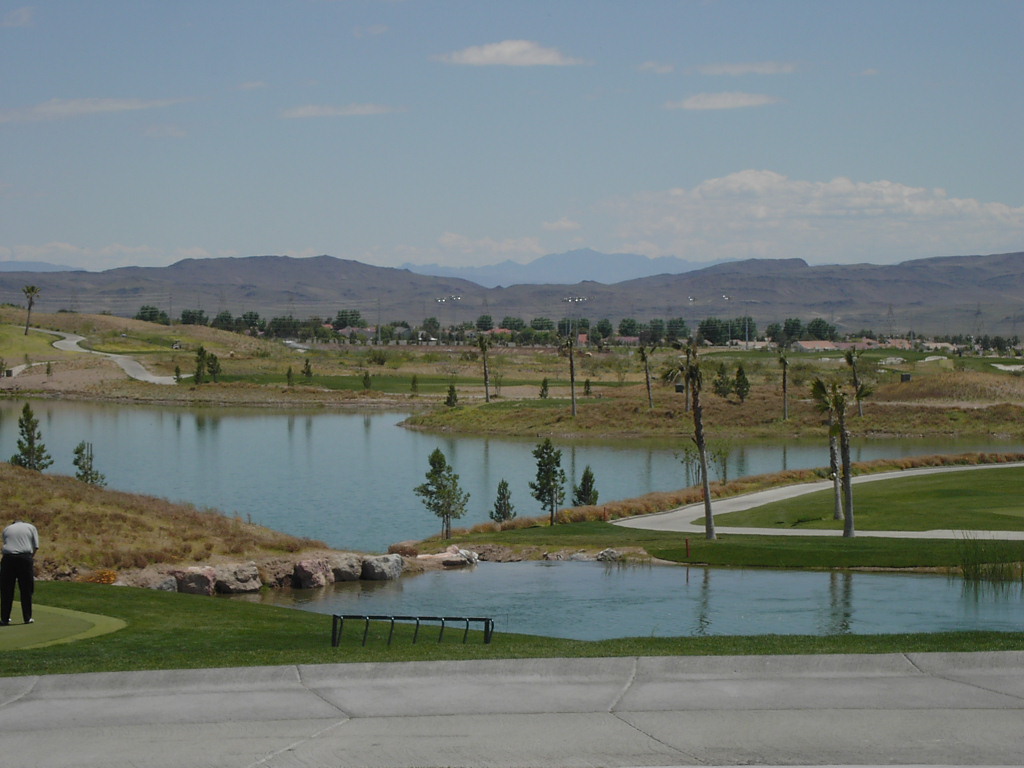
x=16, y=569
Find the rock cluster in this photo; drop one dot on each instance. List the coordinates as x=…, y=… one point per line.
x=237, y=578
x=453, y=557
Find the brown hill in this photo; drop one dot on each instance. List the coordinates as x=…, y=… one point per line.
x=959, y=294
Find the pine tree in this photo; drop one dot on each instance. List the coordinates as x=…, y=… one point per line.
x=544, y=389
x=84, y=466
x=548, y=488
x=585, y=494
x=453, y=397
x=503, y=509
x=722, y=385
x=31, y=451
x=741, y=384
x=213, y=366
x=200, y=374
x=307, y=370
x=441, y=493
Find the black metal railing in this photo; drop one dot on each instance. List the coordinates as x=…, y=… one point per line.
x=486, y=625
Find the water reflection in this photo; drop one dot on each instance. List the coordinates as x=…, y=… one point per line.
x=347, y=478
x=840, y=615
x=590, y=601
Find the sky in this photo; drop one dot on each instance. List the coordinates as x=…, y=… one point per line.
x=468, y=132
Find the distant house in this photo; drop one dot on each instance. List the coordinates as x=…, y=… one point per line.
x=815, y=346
x=899, y=344
x=939, y=346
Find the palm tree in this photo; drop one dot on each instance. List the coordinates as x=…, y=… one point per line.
x=484, y=343
x=569, y=345
x=852, y=358
x=831, y=398
x=676, y=372
x=31, y=292
x=695, y=380
x=784, y=364
x=645, y=357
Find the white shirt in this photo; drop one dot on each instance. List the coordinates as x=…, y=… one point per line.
x=20, y=539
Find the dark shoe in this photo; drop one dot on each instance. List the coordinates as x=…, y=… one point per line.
x=5, y=623
x=31, y=621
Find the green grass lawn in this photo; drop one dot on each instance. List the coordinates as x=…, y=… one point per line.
x=752, y=551
x=981, y=500
x=173, y=631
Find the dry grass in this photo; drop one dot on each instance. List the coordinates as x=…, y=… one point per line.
x=956, y=387
x=85, y=528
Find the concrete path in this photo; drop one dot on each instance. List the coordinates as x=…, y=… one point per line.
x=690, y=519
x=923, y=709
x=69, y=342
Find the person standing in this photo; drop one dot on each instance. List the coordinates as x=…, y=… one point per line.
x=21, y=541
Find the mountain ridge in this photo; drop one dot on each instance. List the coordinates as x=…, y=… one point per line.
x=562, y=267
x=946, y=295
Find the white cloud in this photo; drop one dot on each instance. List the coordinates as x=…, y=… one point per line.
x=562, y=225
x=749, y=68
x=509, y=53
x=657, y=67
x=19, y=17
x=346, y=110
x=870, y=73
x=727, y=100
x=767, y=215
x=252, y=85
x=64, y=109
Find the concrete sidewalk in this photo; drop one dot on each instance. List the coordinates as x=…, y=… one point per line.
x=924, y=709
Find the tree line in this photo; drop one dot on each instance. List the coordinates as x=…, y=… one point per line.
x=443, y=496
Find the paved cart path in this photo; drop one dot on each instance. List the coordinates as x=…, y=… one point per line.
x=690, y=519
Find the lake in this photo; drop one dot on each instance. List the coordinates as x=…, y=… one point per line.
x=595, y=601
x=347, y=478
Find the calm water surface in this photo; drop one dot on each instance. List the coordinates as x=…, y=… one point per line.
x=594, y=601
x=347, y=478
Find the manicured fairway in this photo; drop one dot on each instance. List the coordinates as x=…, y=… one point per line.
x=165, y=630
x=987, y=499
x=54, y=625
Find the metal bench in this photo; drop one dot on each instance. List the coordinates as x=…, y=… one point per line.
x=486, y=624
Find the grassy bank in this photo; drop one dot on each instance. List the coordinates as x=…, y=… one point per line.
x=172, y=631
x=128, y=530
x=732, y=550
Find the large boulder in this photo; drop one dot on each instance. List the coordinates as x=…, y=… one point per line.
x=197, y=580
x=609, y=556
x=383, y=568
x=346, y=566
x=238, y=578
x=312, y=574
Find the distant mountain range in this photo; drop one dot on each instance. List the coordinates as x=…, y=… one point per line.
x=958, y=294
x=569, y=267
x=33, y=266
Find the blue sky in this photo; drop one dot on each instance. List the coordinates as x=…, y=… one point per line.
x=472, y=131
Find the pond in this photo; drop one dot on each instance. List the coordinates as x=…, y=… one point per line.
x=594, y=601
x=347, y=478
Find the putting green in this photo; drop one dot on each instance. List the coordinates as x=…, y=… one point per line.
x=53, y=626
